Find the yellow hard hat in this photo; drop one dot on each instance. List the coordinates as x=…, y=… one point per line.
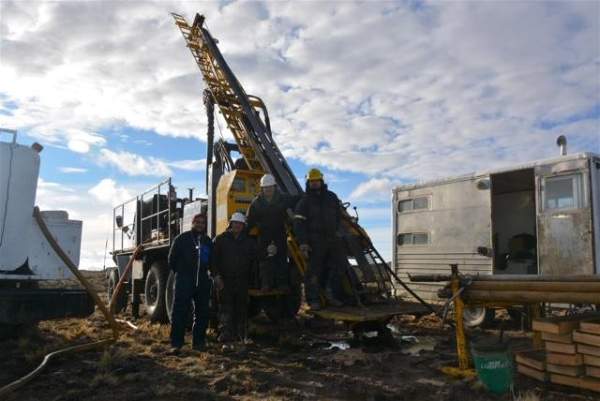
x=314, y=174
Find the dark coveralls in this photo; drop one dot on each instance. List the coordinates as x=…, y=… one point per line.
x=233, y=261
x=322, y=213
x=189, y=258
x=270, y=218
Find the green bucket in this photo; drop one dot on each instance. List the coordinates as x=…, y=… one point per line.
x=494, y=365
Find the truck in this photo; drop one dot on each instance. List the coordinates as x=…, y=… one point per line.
x=154, y=218
x=540, y=217
x=26, y=258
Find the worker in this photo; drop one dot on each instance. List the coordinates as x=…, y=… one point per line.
x=189, y=259
x=234, y=258
x=317, y=226
x=269, y=213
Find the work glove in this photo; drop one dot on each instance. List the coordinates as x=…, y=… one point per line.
x=271, y=249
x=305, y=249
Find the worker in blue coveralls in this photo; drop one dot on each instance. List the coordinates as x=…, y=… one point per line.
x=190, y=258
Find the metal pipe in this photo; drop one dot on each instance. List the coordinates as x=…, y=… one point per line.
x=516, y=297
x=561, y=142
x=548, y=286
x=533, y=277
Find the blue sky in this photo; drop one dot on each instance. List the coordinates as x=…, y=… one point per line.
x=375, y=93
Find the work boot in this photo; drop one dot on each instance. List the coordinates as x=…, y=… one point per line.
x=199, y=347
x=174, y=351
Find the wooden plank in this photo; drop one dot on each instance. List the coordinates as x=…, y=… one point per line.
x=561, y=348
x=558, y=338
x=565, y=370
x=533, y=373
x=588, y=349
x=560, y=324
x=592, y=371
x=591, y=326
x=587, y=383
x=534, y=359
x=585, y=338
x=564, y=359
x=591, y=360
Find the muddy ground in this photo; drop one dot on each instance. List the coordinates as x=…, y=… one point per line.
x=288, y=362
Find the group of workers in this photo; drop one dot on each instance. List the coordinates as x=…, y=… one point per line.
x=226, y=263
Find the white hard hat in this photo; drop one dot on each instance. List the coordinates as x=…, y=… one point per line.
x=267, y=180
x=239, y=217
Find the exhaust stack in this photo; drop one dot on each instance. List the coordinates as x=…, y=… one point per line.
x=561, y=142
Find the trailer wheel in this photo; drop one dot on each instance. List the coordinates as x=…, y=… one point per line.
x=154, y=292
x=121, y=302
x=478, y=316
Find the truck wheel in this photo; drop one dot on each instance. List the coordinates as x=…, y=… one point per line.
x=476, y=316
x=121, y=303
x=154, y=292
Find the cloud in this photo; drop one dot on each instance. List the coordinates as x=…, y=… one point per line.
x=72, y=170
x=133, y=164
x=189, y=165
x=375, y=189
x=397, y=91
x=107, y=191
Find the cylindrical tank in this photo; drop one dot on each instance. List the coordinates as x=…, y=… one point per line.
x=19, y=170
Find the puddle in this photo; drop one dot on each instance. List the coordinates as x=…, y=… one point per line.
x=416, y=345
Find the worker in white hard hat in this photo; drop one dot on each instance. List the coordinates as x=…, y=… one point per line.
x=267, y=217
x=234, y=257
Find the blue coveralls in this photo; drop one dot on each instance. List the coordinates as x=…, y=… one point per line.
x=190, y=258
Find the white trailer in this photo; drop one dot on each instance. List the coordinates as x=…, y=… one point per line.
x=541, y=218
x=26, y=257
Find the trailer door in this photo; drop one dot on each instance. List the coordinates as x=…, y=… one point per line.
x=564, y=219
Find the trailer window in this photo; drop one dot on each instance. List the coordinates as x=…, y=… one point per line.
x=408, y=205
x=563, y=192
x=412, y=239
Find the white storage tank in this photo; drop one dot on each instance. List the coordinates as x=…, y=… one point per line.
x=43, y=261
x=19, y=170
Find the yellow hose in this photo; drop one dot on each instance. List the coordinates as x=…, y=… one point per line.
x=77, y=348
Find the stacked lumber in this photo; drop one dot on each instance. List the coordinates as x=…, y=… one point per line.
x=571, y=354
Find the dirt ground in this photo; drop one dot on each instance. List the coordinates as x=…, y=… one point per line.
x=302, y=360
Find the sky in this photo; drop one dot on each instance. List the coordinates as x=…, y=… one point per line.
x=376, y=94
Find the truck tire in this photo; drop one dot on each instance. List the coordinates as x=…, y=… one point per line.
x=154, y=292
x=478, y=316
x=113, y=279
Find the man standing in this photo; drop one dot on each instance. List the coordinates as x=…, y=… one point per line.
x=268, y=212
x=317, y=224
x=189, y=259
x=234, y=257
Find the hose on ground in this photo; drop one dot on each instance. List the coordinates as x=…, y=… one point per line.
x=77, y=348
